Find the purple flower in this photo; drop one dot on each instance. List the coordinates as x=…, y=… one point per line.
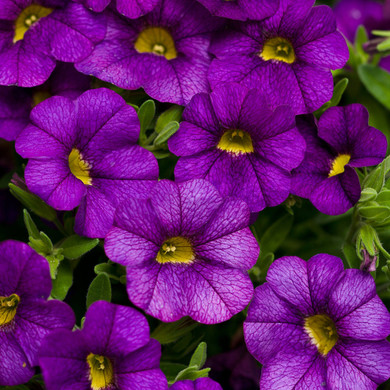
x=233, y=139
x=26, y=316
x=344, y=142
x=165, y=52
x=241, y=9
x=288, y=56
x=350, y=14
x=84, y=153
x=35, y=34
x=132, y=9
x=186, y=250
x=314, y=325
x=198, y=384
x=16, y=103
x=112, y=351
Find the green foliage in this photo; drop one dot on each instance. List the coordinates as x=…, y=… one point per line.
x=146, y=114
x=173, y=114
x=76, y=246
x=338, y=92
x=99, y=289
x=166, y=133
x=63, y=281
x=170, y=332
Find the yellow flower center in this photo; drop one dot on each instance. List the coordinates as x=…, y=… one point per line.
x=236, y=141
x=338, y=164
x=156, y=40
x=27, y=18
x=279, y=49
x=101, y=373
x=176, y=250
x=8, y=307
x=322, y=332
x=40, y=96
x=79, y=167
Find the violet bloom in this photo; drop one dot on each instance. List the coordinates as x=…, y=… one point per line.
x=241, y=9
x=34, y=34
x=288, y=56
x=198, y=384
x=315, y=326
x=112, y=351
x=345, y=141
x=187, y=252
x=16, y=103
x=130, y=8
x=84, y=153
x=233, y=139
x=26, y=316
x=165, y=52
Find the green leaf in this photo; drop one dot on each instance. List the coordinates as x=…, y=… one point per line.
x=349, y=251
x=30, y=225
x=33, y=203
x=367, y=195
x=170, y=332
x=199, y=356
x=63, y=281
x=99, y=289
x=160, y=154
x=75, y=246
x=366, y=237
x=361, y=38
x=377, y=82
x=383, y=198
x=146, y=114
x=166, y=133
x=192, y=373
x=376, y=178
x=384, y=46
x=375, y=213
x=381, y=33
x=173, y=114
x=171, y=370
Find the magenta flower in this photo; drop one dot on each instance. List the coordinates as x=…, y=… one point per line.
x=233, y=139
x=288, y=56
x=164, y=52
x=314, y=325
x=26, y=316
x=112, y=351
x=187, y=252
x=84, y=153
x=34, y=34
x=344, y=141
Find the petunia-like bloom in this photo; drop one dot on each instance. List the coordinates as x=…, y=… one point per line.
x=34, y=34
x=234, y=140
x=187, y=251
x=314, y=325
x=344, y=141
x=16, y=103
x=288, y=56
x=130, y=8
x=84, y=153
x=26, y=316
x=112, y=351
x=164, y=52
x=198, y=384
x=241, y=9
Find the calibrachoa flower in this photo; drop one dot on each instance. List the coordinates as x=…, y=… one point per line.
x=165, y=52
x=16, y=103
x=315, y=326
x=112, y=351
x=198, y=384
x=288, y=56
x=241, y=9
x=26, y=316
x=131, y=8
x=186, y=250
x=34, y=34
x=85, y=153
x=233, y=139
x=345, y=141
